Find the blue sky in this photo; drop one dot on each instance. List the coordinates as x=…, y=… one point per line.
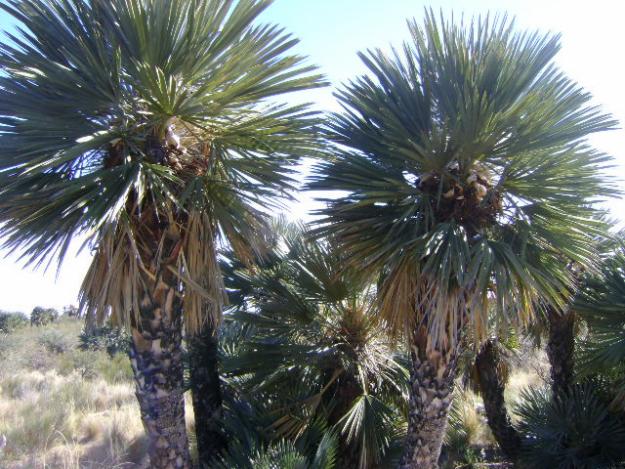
x=332, y=31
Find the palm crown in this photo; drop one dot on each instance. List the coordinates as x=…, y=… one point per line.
x=466, y=172
x=314, y=351
x=123, y=115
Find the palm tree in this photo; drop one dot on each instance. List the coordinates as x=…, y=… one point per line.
x=150, y=129
x=491, y=378
x=560, y=347
x=596, y=298
x=583, y=424
x=466, y=179
x=314, y=353
x=601, y=305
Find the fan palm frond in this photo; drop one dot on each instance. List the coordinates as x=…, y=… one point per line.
x=122, y=115
x=576, y=430
x=467, y=175
x=315, y=350
x=601, y=304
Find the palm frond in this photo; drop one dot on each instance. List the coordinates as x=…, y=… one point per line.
x=315, y=351
x=465, y=175
x=601, y=304
x=578, y=430
x=110, y=110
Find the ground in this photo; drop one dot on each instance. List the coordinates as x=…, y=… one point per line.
x=62, y=407
x=66, y=408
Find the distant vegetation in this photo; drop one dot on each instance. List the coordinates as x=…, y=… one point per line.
x=64, y=405
x=12, y=321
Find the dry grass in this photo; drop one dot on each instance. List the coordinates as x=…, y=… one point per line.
x=470, y=443
x=470, y=409
x=532, y=371
x=63, y=408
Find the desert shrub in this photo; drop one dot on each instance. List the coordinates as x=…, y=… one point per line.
x=42, y=316
x=578, y=430
x=91, y=363
x=115, y=369
x=5, y=345
x=55, y=341
x=82, y=362
x=77, y=394
x=12, y=321
x=71, y=311
x=466, y=432
x=50, y=417
x=110, y=339
x=39, y=423
x=11, y=387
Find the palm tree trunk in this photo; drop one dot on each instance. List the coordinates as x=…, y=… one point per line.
x=156, y=354
x=560, y=349
x=492, y=388
x=431, y=381
x=206, y=392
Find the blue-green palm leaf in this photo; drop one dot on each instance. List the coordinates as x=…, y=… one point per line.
x=467, y=174
x=88, y=90
x=315, y=352
x=601, y=304
x=578, y=430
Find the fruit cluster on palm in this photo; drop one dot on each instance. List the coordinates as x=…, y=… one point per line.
x=155, y=131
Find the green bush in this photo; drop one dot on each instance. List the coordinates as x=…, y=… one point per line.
x=42, y=316
x=115, y=369
x=577, y=431
x=71, y=311
x=12, y=321
x=84, y=362
x=108, y=338
x=55, y=341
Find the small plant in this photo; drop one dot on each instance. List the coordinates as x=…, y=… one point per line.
x=578, y=430
x=107, y=338
x=71, y=311
x=283, y=454
x=12, y=321
x=42, y=316
x=54, y=342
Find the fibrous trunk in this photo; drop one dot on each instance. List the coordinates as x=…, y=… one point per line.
x=156, y=359
x=492, y=387
x=431, y=381
x=206, y=392
x=156, y=356
x=560, y=349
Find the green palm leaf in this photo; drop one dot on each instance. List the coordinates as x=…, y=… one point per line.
x=314, y=351
x=110, y=110
x=466, y=175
